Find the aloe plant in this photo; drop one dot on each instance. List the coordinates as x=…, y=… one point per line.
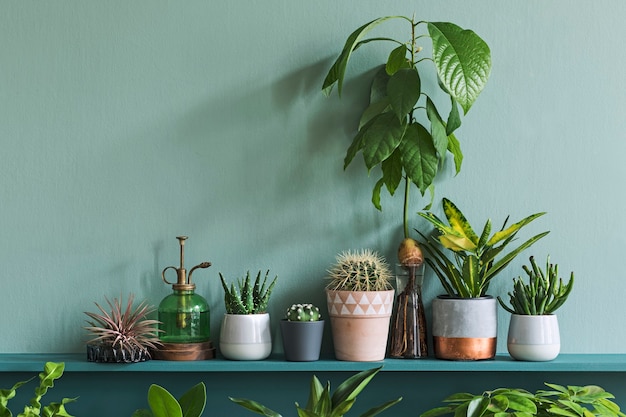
x=51, y=372
x=246, y=298
x=403, y=130
x=567, y=401
x=473, y=264
x=322, y=403
x=544, y=293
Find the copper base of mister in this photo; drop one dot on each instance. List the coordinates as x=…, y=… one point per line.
x=185, y=351
x=465, y=348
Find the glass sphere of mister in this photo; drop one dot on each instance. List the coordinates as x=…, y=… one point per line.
x=184, y=316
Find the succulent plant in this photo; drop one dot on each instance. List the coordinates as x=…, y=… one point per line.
x=303, y=312
x=246, y=298
x=473, y=265
x=363, y=270
x=128, y=330
x=544, y=293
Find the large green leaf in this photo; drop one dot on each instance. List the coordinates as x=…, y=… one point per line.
x=462, y=60
x=380, y=138
x=419, y=156
x=455, y=149
x=404, y=89
x=437, y=130
x=162, y=403
x=337, y=72
x=458, y=221
x=378, y=90
x=374, y=110
x=397, y=59
x=392, y=171
x=193, y=401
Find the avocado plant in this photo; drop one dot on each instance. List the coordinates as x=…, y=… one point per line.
x=403, y=130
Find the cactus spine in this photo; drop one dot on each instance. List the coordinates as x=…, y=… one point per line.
x=360, y=271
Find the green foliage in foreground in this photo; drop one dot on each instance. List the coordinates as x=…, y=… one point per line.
x=322, y=403
x=570, y=401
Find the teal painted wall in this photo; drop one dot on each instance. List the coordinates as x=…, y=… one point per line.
x=125, y=124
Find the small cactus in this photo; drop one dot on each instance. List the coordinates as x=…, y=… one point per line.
x=303, y=312
x=245, y=298
x=360, y=271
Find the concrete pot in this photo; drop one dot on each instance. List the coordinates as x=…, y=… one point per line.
x=534, y=338
x=246, y=336
x=465, y=328
x=302, y=340
x=359, y=322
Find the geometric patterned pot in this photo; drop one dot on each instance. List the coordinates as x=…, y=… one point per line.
x=360, y=323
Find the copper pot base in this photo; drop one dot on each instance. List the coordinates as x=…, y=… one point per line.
x=185, y=351
x=465, y=348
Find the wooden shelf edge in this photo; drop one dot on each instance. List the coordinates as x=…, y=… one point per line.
x=74, y=362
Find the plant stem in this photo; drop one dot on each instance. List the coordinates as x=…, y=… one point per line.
x=407, y=180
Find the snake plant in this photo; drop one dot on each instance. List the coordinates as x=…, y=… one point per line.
x=468, y=273
x=544, y=293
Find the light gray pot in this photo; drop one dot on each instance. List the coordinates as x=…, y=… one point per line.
x=465, y=328
x=302, y=340
x=534, y=338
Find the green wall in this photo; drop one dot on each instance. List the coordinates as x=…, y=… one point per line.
x=124, y=124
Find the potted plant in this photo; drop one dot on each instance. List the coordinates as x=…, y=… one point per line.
x=122, y=334
x=360, y=301
x=51, y=372
x=323, y=403
x=571, y=401
x=164, y=404
x=465, y=319
x=245, y=333
x=404, y=130
x=302, y=330
x=534, y=328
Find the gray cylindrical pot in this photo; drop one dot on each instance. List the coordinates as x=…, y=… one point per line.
x=465, y=328
x=302, y=340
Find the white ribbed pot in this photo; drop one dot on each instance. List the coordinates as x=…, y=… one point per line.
x=465, y=329
x=359, y=321
x=246, y=336
x=534, y=338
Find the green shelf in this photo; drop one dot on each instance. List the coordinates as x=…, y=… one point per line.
x=74, y=362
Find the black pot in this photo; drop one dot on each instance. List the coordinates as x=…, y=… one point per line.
x=109, y=354
x=302, y=340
